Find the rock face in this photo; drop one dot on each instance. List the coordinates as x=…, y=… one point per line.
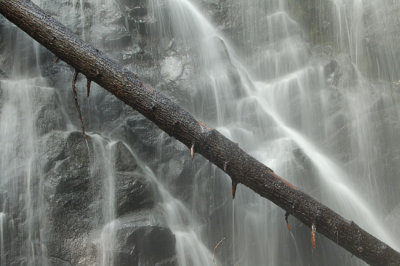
x=70, y=194
x=73, y=196
x=149, y=245
x=71, y=207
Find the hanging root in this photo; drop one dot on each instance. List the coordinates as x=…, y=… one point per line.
x=287, y=221
x=313, y=236
x=88, y=83
x=234, y=186
x=77, y=103
x=192, y=151
x=215, y=249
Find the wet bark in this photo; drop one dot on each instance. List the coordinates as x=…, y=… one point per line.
x=178, y=123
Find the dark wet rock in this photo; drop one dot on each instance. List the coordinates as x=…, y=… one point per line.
x=70, y=195
x=18, y=262
x=133, y=3
x=3, y=200
x=332, y=72
x=147, y=245
x=124, y=160
x=2, y=73
x=331, y=68
x=52, y=149
x=49, y=118
x=58, y=262
x=111, y=108
x=73, y=194
x=141, y=134
x=133, y=193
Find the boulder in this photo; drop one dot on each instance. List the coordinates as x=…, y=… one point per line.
x=133, y=193
x=146, y=245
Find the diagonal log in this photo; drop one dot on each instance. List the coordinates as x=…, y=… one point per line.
x=174, y=120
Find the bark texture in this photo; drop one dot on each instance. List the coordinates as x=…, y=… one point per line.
x=178, y=123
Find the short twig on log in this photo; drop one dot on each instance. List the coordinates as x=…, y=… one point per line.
x=76, y=101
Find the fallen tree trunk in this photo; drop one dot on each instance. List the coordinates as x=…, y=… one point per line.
x=241, y=167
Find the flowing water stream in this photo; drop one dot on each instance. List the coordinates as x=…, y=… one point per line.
x=322, y=114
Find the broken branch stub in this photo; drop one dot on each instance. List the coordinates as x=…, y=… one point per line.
x=78, y=108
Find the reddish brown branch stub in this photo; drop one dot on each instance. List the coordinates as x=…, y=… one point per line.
x=313, y=236
x=242, y=168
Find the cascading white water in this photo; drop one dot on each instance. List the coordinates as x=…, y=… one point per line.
x=189, y=246
x=282, y=98
x=258, y=82
x=103, y=166
x=18, y=164
x=349, y=27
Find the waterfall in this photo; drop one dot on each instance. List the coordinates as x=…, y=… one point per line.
x=309, y=88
